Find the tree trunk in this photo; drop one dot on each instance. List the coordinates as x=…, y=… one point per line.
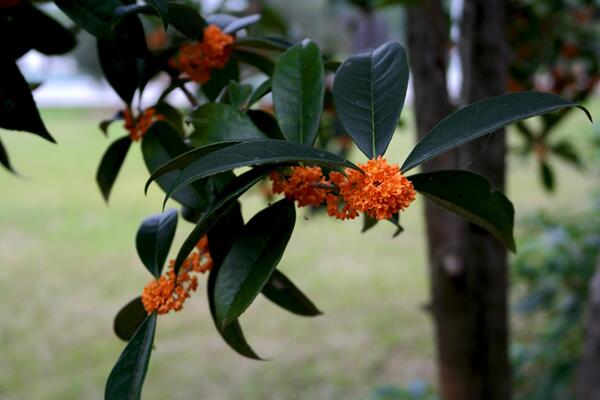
x=588, y=385
x=467, y=266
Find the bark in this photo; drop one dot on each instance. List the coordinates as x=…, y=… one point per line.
x=467, y=266
x=588, y=385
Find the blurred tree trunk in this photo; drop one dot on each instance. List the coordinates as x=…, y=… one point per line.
x=588, y=385
x=467, y=266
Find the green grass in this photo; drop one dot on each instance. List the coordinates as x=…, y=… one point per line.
x=68, y=264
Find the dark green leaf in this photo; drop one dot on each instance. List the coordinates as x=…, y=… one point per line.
x=171, y=115
x=281, y=291
x=18, y=111
x=252, y=259
x=238, y=93
x=154, y=238
x=95, y=16
x=162, y=8
x=127, y=376
x=369, y=91
x=481, y=118
x=368, y=222
x=187, y=20
x=264, y=43
x=298, y=92
x=332, y=65
x=123, y=58
x=219, y=78
x=4, y=160
x=567, y=152
x=241, y=23
x=160, y=145
x=470, y=196
x=105, y=124
x=129, y=319
x=218, y=122
x=259, y=61
x=262, y=90
x=547, y=176
x=182, y=161
x=221, y=205
x=266, y=123
x=254, y=153
x=111, y=164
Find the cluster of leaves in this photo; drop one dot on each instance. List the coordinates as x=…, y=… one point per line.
x=553, y=271
x=555, y=49
x=195, y=156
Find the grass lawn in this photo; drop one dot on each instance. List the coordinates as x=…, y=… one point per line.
x=68, y=264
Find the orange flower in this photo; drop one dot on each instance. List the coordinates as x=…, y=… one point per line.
x=304, y=184
x=169, y=292
x=198, y=59
x=137, y=127
x=339, y=208
x=381, y=191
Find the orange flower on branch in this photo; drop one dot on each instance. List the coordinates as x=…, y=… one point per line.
x=379, y=191
x=198, y=59
x=306, y=185
x=169, y=292
x=138, y=127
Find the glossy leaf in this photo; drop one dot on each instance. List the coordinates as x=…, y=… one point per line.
x=187, y=20
x=470, y=196
x=369, y=91
x=219, y=78
x=262, y=90
x=18, y=111
x=154, y=238
x=127, y=376
x=95, y=16
x=110, y=165
x=4, y=160
x=281, y=291
x=254, y=153
x=266, y=122
x=259, y=61
x=218, y=122
x=161, y=144
x=298, y=92
x=238, y=93
x=221, y=236
x=221, y=205
x=263, y=43
x=241, y=23
x=129, y=318
x=481, y=118
x=162, y=8
x=252, y=259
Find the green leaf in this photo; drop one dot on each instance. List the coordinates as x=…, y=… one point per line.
x=4, y=160
x=219, y=78
x=470, y=196
x=252, y=259
x=254, y=153
x=129, y=319
x=18, y=111
x=238, y=93
x=110, y=165
x=187, y=20
x=127, y=376
x=481, y=118
x=162, y=8
x=368, y=223
x=262, y=90
x=221, y=236
x=241, y=23
x=547, y=176
x=281, y=291
x=218, y=122
x=105, y=123
x=160, y=145
x=298, y=92
x=154, y=238
x=123, y=58
x=369, y=91
x=565, y=150
x=259, y=61
x=95, y=16
x=263, y=43
x=218, y=209
x=266, y=122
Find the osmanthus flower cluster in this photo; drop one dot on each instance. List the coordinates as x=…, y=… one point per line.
x=206, y=158
x=378, y=189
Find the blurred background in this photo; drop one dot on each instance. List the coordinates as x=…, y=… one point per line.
x=68, y=262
